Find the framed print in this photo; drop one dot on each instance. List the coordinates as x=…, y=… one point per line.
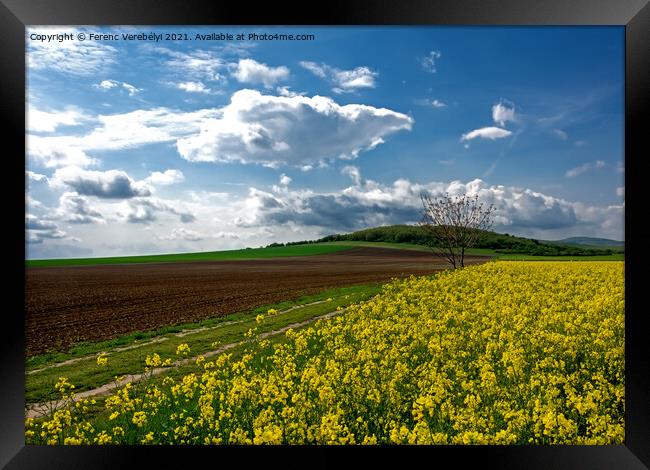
x=396, y=226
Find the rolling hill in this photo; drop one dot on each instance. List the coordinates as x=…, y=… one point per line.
x=500, y=243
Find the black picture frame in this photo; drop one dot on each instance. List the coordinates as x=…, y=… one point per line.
x=634, y=15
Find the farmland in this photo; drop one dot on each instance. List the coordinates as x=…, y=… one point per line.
x=501, y=353
x=72, y=304
x=249, y=253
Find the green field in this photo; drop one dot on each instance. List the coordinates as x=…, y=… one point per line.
x=298, y=250
x=126, y=354
x=249, y=253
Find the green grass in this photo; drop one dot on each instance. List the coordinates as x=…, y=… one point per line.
x=85, y=374
x=98, y=413
x=483, y=252
x=518, y=257
x=251, y=253
x=295, y=250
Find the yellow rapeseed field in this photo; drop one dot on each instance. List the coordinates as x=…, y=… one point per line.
x=502, y=353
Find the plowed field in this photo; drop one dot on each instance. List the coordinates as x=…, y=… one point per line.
x=66, y=305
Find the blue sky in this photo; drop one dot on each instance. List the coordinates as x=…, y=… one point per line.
x=143, y=146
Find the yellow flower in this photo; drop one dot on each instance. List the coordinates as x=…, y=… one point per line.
x=139, y=418
x=102, y=359
x=183, y=349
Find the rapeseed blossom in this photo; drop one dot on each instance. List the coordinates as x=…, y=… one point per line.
x=501, y=353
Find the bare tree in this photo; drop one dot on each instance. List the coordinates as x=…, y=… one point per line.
x=456, y=223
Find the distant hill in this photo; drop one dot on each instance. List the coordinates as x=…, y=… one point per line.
x=501, y=243
x=590, y=241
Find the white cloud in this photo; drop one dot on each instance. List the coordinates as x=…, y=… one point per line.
x=620, y=191
x=343, y=81
x=53, y=152
x=438, y=104
x=145, y=210
x=368, y=203
x=193, y=87
x=503, y=112
x=165, y=178
x=252, y=128
x=429, y=62
x=320, y=71
x=284, y=180
x=38, y=229
x=183, y=234
x=285, y=91
x=110, y=84
x=573, y=172
x=251, y=71
x=298, y=130
x=116, y=132
x=31, y=203
x=560, y=134
x=490, y=133
x=35, y=176
x=76, y=209
x=196, y=64
x=353, y=172
x=110, y=184
x=107, y=84
x=76, y=58
x=49, y=121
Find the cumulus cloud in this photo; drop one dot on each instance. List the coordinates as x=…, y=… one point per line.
x=75, y=58
x=368, y=203
x=573, y=172
x=145, y=210
x=252, y=128
x=165, y=178
x=115, y=132
x=76, y=209
x=49, y=121
x=438, y=104
x=193, y=87
x=251, y=71
x=35, y=176
x=284, y=180
x=503, y=112
x=110, y=184
x=54, y=152
x=429, y=62
x=285, y=91
x=110, y=84
x=298, y=130
x=182, y=234
x=38, y=229
x=343, y=81
x=490, y=133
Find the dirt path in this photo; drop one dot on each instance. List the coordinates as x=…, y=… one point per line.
x=40, y=409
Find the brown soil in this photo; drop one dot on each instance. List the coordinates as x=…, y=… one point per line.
x=66, y=305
